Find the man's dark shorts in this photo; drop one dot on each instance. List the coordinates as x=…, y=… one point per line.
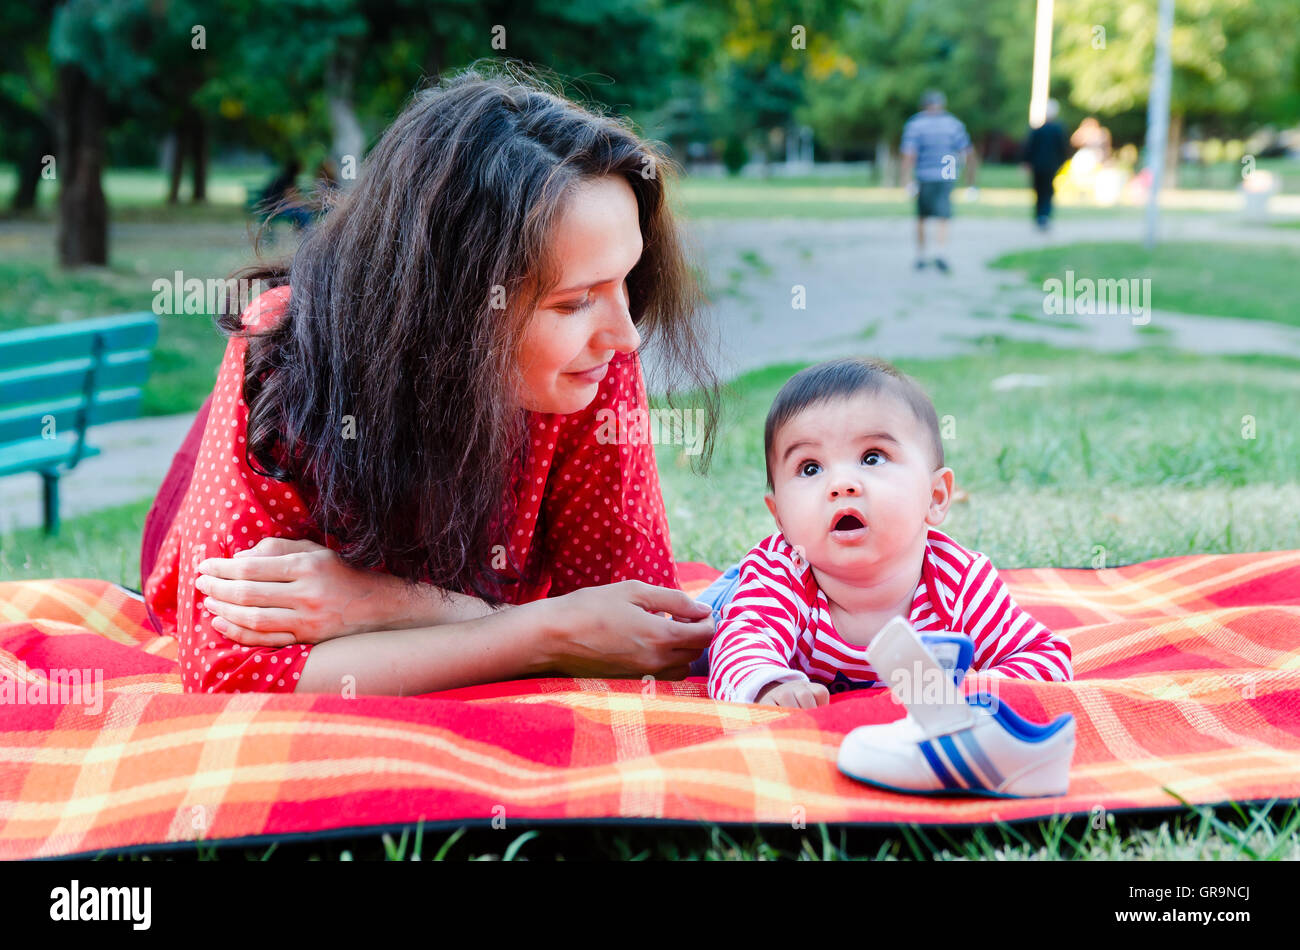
x=932, y=199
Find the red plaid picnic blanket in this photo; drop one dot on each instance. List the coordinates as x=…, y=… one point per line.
x=1187, y=685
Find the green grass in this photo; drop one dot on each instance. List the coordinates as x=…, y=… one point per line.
x=1047, y=321
x=146, y=188
x=1227, y=175
x=1140, y=454
x=207, y=244
x=148, y=240
x=151, y=241
x=835, y=198
x=105, y=545
x=1223, y=280
x=1004, y=193
x=1229, y=832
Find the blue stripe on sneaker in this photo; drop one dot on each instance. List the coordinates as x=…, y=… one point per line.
x=982, y=760
x=954, y=756
x=937, y=765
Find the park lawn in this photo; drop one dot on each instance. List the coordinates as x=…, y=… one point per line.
x=1119, y=458
x=1220, y=280
x=847, y=197
x=150, y=240
x=208, y=245
x=146, y=188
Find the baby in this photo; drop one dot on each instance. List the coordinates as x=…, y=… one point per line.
x=857, y=485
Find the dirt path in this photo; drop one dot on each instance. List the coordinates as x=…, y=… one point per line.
x=862, y=295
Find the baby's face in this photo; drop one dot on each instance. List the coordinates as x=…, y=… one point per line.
x=853, y=485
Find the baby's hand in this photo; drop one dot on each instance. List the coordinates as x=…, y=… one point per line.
x=798, y=695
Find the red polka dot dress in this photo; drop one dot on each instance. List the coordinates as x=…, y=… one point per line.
x=588, y=508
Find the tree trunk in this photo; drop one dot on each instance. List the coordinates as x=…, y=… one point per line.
x=177, y=165
x=349, y=140
x=199, y=157
x=83, y=212
x=30, y=166
x=436, y=57
x=1173, y=151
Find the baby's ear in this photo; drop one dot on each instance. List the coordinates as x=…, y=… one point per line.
x=770, y=500
x=940, y=496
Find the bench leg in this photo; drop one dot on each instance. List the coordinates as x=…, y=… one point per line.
x=51, y=502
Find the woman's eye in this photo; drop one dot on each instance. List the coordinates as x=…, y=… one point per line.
x=809, y=469
x=873, y=454
x=574, y=307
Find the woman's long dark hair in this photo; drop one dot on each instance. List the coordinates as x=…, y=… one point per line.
x=391, y=322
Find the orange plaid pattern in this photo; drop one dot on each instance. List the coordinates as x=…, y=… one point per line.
x=1187, y=683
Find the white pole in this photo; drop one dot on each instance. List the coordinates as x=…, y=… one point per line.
x=1038, y=86
x=1158, y=116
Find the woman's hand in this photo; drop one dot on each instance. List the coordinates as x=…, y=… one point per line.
x=618, y=630
x=283, y=591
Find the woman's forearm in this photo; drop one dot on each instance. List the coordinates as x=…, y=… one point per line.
x=401, y=606
x=507, y=644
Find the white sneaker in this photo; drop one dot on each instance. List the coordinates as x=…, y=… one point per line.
x=1002, y=755
x=948, y=744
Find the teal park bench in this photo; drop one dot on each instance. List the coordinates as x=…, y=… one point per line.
x=56, y=381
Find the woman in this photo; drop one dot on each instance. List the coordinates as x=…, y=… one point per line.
x=409, y=422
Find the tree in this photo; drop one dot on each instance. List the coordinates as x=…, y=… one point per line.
x=108, y=55
x=27, y=97
x=889, y=52
x=1234, y=61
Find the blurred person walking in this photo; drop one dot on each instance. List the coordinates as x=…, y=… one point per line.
x=1043, y=155
x=934, y=145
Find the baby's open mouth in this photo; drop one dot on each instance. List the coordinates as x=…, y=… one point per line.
x=848, y=522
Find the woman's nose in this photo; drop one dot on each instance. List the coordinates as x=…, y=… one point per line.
x=622, y=333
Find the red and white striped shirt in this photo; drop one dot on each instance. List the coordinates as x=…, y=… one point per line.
x=777, y=628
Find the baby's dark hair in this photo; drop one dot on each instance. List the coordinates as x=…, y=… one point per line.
x=840, y=379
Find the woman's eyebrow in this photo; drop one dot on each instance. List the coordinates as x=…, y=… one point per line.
x=569, y=290
x=596, y=283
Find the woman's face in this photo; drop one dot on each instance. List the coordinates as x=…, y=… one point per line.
x=580, y=325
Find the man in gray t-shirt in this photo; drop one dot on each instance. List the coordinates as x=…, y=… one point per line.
x=934, y=145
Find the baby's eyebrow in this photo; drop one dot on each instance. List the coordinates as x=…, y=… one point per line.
x=794, y=445
x=879, y=436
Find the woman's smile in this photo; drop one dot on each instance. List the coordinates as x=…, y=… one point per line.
x=591, y=376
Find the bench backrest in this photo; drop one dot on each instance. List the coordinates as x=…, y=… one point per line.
x=82, y=373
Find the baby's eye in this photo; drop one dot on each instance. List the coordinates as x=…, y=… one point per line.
x=805, y=466
x=873, y=454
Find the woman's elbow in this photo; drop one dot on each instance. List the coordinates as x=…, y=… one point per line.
x=244, y=677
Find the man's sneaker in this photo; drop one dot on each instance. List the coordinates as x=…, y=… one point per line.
x=1001, y=755
x=920, y=263
x=940, y=263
